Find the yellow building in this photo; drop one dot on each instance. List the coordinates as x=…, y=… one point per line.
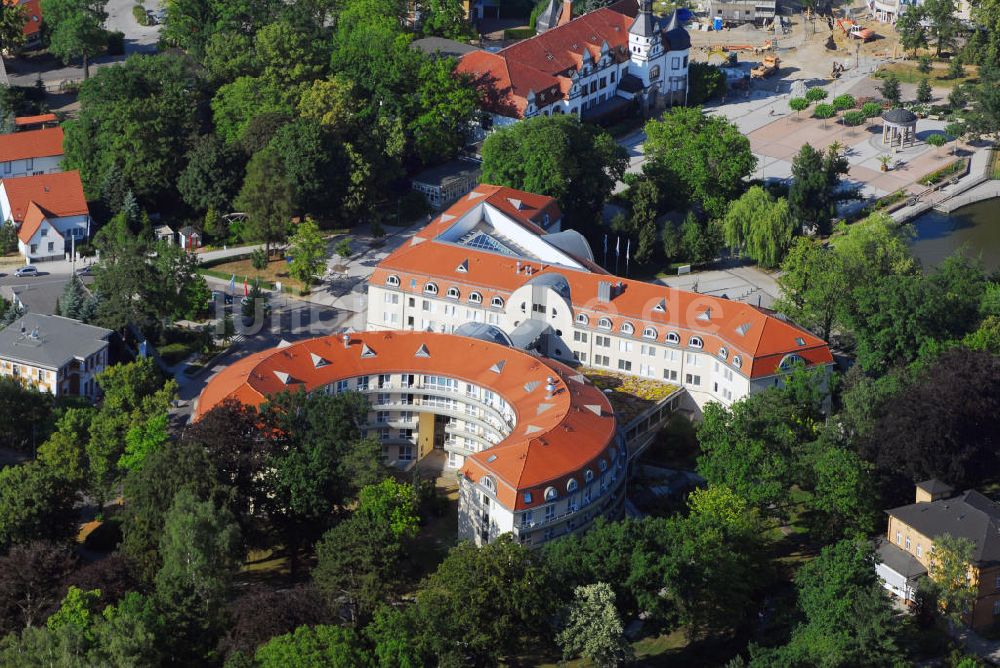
x=906, y=551
x=57, y=355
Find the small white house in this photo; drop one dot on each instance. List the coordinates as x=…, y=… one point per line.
x=49, y=212
x=31, y=152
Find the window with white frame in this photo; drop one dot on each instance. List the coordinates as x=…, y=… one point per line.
x=648, y=351
x=692, y=379
x=625, y=346
x=670, y=374
x=647, y=370
x=723, y=353
x=392, y=298
x=602, y=341
x=392, y=281
x=691, y=359
x=602, y=360
x=582, y=319
x=453, y=293
x=580, y=337
x=696, y=342
x=673, y=337
x=475, y=298
x=624, y=365
x=496, y=302
x=604, y=323
x=649, y=333
x=431, y=288
x=628, y=328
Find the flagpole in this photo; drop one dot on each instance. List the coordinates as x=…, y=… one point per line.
x=605, y=251
x=618, y=252
x=628, y=251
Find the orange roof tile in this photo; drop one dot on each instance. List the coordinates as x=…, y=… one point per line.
x=43, y=143
x=553, y=437
x=32, y=221
x=58, y=195
x=34, y=120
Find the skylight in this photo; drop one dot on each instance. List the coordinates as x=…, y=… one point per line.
x=483, y=241
x=422, y=351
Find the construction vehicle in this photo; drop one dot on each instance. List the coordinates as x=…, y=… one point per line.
x=855, y=30
x=768, y=66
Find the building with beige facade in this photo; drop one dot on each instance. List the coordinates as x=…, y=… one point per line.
x=57, y=355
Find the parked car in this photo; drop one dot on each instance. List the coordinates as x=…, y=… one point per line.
x=85, y=271
x=29, y=270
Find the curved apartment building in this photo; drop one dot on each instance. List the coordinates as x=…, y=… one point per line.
x=538, y=445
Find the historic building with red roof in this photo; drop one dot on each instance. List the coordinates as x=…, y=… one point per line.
x=479, y=262
x=49, y=211
x=540, y=450
x=586, y=66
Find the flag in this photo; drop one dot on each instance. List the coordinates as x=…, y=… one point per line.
x=246, y=291
x=605, y=244
x=628, y=247
x=232, y=283
x=618, y=246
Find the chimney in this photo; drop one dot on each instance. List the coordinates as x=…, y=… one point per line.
x=518, y=269
x=567, y=12
x=347, y=340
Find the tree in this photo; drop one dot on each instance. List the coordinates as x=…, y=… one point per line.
x=700, y=240
x=798, y=104
x=308, y=251
x=844, y=102
x=267, y=197
x=843, y=498
x=31, y=578
x=200, y=547
x=445, y=18
x=815, y=178
x=229, y=56
x=595, y=631
x=816, y=94
x=705, y=82
x=129, y=633
x=258, y=259
x=236, y=104
x=25, y=415
x=287, y=609
x=290, y=53
x=314, y=647
x=924, y=65
x=953, y=586
x=76, y=29
x=211, y=178
x=135, y=123
x=35, y=504
x=955, y=68
x=391, y=504
x=824, y=111
x=64, y=452
x=556, y=156
x=912, y=34
x=312, y=163
x=759, y=225
x=645, y=198
x=890, y=89
x=142, y=440
x=944, y=25
x=853, y=118
x=871, y=109
x=79, y=609
x=73, y=298
x=937, y=140
x=924, y=91
x=706, y=156
x=333, y=104
x=671, y=240
x=12, y=20
x=919, y=437
x=958, y=98
x=446, y=105
x=462, y=616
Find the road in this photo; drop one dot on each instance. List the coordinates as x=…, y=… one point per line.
x=38, y=293
x=24, y=71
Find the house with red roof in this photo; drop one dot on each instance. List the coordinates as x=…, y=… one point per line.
x=38, y=122
x=587, y=66
x=490, y=259
x=32, y=22
x=31, y=152
x=49, y=211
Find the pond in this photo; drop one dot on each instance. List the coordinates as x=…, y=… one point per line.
x=975, y=227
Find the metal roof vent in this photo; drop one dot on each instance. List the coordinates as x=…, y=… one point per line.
x=463, y=267
x=346, y=339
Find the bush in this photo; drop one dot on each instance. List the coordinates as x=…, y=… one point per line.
x=943, y=173
x=854, y=118
x=824, y=111
x=924, y=91
x=174, y=353
x=707, y=82
x=518, y=33
x=843, y=102
x=798, y=104
x=924, y=64
x=871, y=109
x=141, y=17
x=115, y=43
x=937, y=140
x=816, y=94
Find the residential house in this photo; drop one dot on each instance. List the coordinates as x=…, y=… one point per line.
x=502, y=257
x=32, y=22
x=31, y=153
x=57, y=355
x=49, y=211
x=29, y=123
x=590, y=66
x=445, y=183
x=907, y=551
x=164, y=233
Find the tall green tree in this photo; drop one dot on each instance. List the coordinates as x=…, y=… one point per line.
x=446, y=104
x=912, y=34
x=759, y=225
x=267, y=197
x=35, y=504
x=314, y=647
x=950, y=576
x=944, y=25
x=12, y=20
x=308, y=251
x=815, y=179
x=211, y=178
x=76, y=29
x=594, y=630
x=445, y=18
x=557, y=156
x=706, y=156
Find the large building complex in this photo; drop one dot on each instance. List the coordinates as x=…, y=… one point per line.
x=496, y=257
x=586, y=66
x=539, y=447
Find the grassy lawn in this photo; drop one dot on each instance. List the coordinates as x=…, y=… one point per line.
x=276, y=270
x=629, y=395
x=907, y=72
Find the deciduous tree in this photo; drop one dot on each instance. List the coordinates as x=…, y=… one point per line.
x=760, y=226
x=76, y=29
x=594, y=630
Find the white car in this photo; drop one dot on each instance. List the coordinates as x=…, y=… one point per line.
x=29, y=270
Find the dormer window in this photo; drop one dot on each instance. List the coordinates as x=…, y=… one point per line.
x=392, y=281
x=628, y=328
x=723, y=353
x=453, y=293
x=604, y=323
x=582, y=319
x=649, y=333
x=431, y=288
x=737, y=361
x=696, y=342
x=496, y=302
x=489, y=483
x=572, y=485
x=475, y=298
x=551, y=494
x=672, y=337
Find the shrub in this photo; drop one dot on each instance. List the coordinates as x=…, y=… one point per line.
x=955, y=69
x=924, y=64
x=798, y=104
x=824, y=111
x=115, y=43
x=843, y=102
x=937, y=140
x=854, y=118
x=141, y=17
x=871, y=109
x=518, y=33
x=943, y=173
x=924, y=91
x=816, y=94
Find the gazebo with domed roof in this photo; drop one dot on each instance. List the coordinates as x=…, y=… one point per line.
x=899, y=127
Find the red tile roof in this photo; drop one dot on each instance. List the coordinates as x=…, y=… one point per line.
x=553, y=437
x=33, y=22
x=35, y=120
x=761, y=339
x=42, y=143
x=58, y=195
x=544, y=63
x=32, y=221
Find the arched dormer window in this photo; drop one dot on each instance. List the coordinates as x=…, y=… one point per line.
x=603, y=465
x=696, y=342
x=582, y=319
x=649, y=333
x=588, y=476
x=392, y=281
x=431, y=288
x=489, y=483
x=551, y=494
x=496, y=302
x=737, y=361
x=453, y=293
x=475, y=298
x=604, y=323
x=628, y=328
x=572, y=485
x=673, y=338
x=788, y=361
x=723, y=353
